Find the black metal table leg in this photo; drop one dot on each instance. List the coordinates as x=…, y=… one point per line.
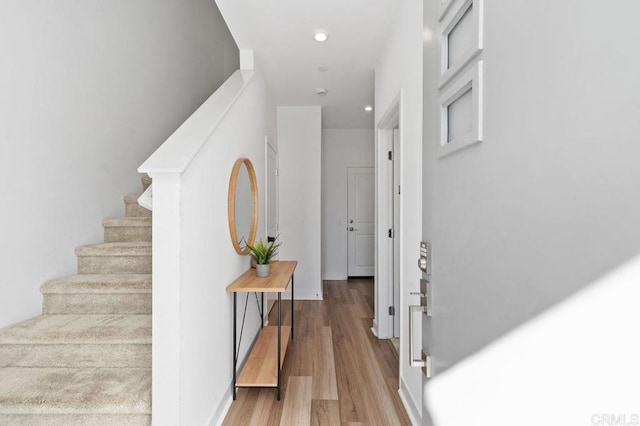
x=262, y=309
x=292, y=310
x=279, y=340
x=235, y=358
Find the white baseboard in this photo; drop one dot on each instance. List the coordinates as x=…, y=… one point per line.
x=415, y=414
x=334, y=276
x=302, y=296
x=223, y=408
x=374, y=328
x=227, y=398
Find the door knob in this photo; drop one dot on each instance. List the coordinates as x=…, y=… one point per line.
x=351, y=228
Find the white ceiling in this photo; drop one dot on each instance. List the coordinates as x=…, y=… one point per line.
x=280, y=32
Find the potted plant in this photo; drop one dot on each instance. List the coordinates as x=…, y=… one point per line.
x=263, y=254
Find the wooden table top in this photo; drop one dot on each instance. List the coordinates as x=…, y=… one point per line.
x=277, y=281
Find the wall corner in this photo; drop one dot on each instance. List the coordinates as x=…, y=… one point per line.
x=246, y=60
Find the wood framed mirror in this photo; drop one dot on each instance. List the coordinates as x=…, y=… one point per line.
x=243, y=205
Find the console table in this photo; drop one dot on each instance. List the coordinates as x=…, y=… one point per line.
x=264, y=363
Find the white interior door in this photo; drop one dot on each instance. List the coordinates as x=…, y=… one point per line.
x=272, y=207
x=360, y=218
x=395, y=188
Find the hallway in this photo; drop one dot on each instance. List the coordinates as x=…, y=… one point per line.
x=335, y=372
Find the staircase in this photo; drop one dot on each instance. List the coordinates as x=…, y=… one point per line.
x=87, y=359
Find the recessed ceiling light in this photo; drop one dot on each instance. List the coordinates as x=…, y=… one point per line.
x=368, y=108
x=320, y=36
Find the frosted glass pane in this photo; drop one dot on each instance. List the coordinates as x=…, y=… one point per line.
x=460, y=116
x=460, y=38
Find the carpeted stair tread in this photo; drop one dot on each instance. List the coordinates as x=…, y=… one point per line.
x=131, y=198
x=127, y=229
x=98, y=294
x=75, y=419
x=121, y=222
x=99, y=284
x=146, y=181
x=75, y=356
x=80, y=329
x=115, y=258
x=138, y=248
x=133, y=208
x=75, y=390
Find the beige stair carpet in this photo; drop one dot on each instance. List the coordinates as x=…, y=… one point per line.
x=98, y=294
x=87, y=359
x=56, y=390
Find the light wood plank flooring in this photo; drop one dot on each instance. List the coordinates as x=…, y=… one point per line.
x=335, y=373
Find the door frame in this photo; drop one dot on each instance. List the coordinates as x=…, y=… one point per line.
x=396, y=221
x=392, y=118
x=268, y=146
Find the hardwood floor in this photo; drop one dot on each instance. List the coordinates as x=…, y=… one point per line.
x=335, y=372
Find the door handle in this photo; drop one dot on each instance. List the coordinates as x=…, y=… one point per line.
x=413, y=362
x=351, y=228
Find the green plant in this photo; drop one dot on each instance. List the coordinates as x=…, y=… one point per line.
x=263, y=253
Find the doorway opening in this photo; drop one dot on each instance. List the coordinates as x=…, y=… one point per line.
x=389, y=225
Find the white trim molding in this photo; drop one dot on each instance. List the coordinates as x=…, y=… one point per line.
x=415, y=414
x=447, y=70
x=384, y=218
x=176, y=154
x=470, y=81
x=374, y=327
x=334, y=276
x=443, y=8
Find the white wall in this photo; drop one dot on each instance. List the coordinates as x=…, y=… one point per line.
x=548, y=203
x=299, y=150
x=399, y=68
x=340, y=148
x=89, y=90
x=194, y=259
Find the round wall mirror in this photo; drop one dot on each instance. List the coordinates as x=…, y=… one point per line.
x=243, y=205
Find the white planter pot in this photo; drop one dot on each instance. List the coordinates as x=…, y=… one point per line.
x=263, y=270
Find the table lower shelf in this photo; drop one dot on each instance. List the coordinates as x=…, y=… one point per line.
x=261, y=368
